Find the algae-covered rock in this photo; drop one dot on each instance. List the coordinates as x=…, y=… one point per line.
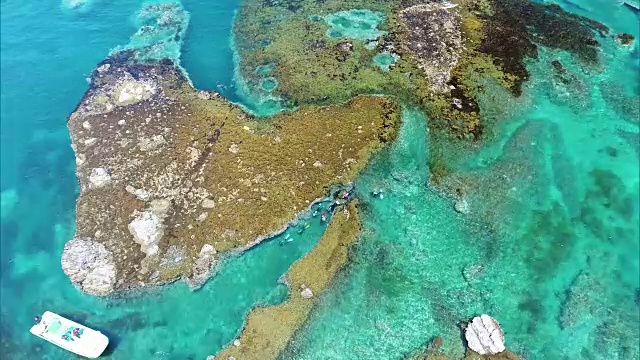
x=164, y=170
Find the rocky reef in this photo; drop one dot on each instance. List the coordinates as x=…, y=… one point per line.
x=268, y=330
x=435, y=40
x=445, y=55
x=170, y=176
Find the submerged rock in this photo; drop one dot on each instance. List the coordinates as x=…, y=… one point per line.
x=89, y=266
x=462, y=206
x=484, y=335
x=625, y=39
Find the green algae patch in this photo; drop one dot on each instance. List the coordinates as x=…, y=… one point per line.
x=355, y=24
x=269, y=329
x=385, y=60
x=171, y=178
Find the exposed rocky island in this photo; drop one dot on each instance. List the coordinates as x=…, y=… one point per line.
x=171, y=178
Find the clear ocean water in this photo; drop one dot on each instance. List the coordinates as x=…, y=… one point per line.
x=560, y=270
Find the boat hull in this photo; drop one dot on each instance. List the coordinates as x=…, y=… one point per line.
x=70, y=335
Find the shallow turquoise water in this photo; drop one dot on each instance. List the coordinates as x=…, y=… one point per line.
x=43, y=72
x=361, y=24
x=550, y=247
x=384, y=60
x=560, y=271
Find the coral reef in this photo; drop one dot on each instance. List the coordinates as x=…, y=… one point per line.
x=169, y=176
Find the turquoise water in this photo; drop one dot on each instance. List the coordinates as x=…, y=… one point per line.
x=384, y=60
x=559, y=269
x=44, y=66
x=355, y=24
x=551, y=249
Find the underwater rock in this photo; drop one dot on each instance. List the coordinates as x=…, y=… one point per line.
x=625, y=39
x=484, y=335
x=472, y=272
x=462, y=206
x=8, y=200
x=582, y=301
x=513, y=29
x=435, y=39
x=89, y=266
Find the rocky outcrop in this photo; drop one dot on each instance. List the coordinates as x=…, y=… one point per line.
x=89, y=266
x=305, y=292
x=435, y=39
x=202, y=267
x=484, y=335
x=625, y=39
x=168, y=174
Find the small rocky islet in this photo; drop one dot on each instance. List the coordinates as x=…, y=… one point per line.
x=169, y=175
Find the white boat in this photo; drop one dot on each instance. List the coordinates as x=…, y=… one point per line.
x=70, y=335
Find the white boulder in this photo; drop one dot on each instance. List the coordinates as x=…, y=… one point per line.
x=484, y=335
x=462, y=206
x=147, y=230
x=306, y=293
x=89, y=265
x=99, y=177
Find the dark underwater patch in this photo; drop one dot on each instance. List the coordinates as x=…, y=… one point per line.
x=518, y=26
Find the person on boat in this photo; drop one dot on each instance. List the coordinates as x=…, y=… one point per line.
x=323, y=217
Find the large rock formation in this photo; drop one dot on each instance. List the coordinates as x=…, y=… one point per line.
x=161, y=194
x=484, y=335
